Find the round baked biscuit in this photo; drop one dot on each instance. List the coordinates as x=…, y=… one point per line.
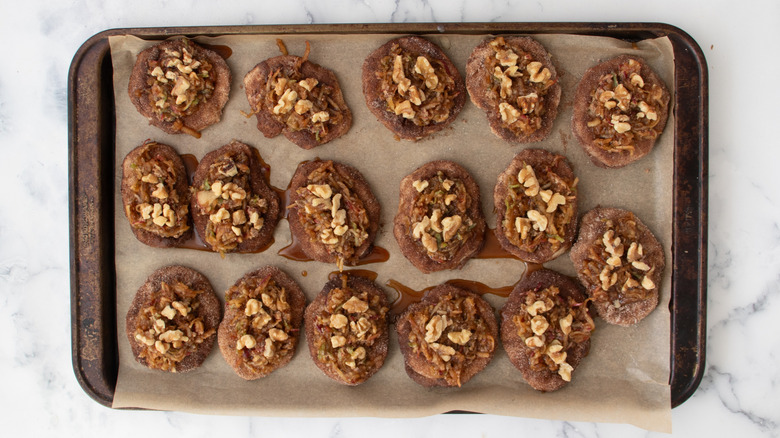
x=332, y=213
x=546, y=328
x=439, y=224
x=302, y=100
x=233, y=208
x=535, y=200
x=263, y=316
x=448, y=337
x=412, y=87
x=179, y=86
x=620, y=263
x=172, y=321
x=347, y=330
x=156, y=195
x=514, y=80
x=620, y=109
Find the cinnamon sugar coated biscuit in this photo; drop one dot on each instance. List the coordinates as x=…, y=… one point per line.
x=332, y=214
x=536, y=206
x=180, y=87
x=439, y=224
x=156, y=195
x=448, y=337
x=346, y=329
x=515, y=82
x=233, y=208
x=620, y=263
x=412, y=87
x=620, y=108
x=263, y=316
x=293, y=96
x=546, y=328
x=172, y=322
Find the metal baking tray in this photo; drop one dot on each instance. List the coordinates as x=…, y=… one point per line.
x=91, y=125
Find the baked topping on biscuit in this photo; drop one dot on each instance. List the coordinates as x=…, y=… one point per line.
x=439, y=218
x=348, y=327
x=450, y=333
x=263, y=324
x=179, y=82
x=416, y=87
x=539, y=206
x=624, y=109
x=156, y=205
x=550, y=325
x=519, y=85
x=235, y=213
x=331, y=212
x=169, y=328
x=616, y=269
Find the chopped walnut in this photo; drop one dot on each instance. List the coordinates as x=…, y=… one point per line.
x=420, y=185
x=450, y=227
x=539, y=221
x=355, y=305
x=539, y=325
x=460, y=337
x=424, y=67
x=509, y=114
x=435, y=328
x=286, y=102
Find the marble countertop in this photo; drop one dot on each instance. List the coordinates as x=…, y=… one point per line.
x=739, y=393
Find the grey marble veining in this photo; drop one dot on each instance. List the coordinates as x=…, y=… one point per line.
x=739, y=395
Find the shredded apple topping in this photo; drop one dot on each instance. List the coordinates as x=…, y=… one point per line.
x=347, y=328
x=616, y=268
x=262, y=323
x=331, y=213
x=156, y=206
x=416, y=87
x=169, y=328
x=550, y=325
x=449, y=333
x=299, y=102
x=235, y=213
x=539, y=207
x=519, y=84
x=439, y=220
x=624, y=109
x=179, y=82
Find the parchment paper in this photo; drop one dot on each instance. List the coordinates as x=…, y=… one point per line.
x=625, y=377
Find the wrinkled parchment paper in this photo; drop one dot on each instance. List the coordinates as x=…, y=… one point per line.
x=623, y=380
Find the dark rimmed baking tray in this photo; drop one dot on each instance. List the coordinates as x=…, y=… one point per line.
x=91, y=127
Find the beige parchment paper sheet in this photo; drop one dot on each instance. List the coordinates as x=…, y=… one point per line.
x=623, y=380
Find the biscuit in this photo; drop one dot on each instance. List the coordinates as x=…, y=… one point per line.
x=546, y=328
x=535, y=200
x=332, y=214
x=172, y=321
x=620, y=263
x=233, y=208
x=412, y=87
x=439, y=224
x=156, y=195
x=302, y=100
x=346, y=329
x=620, y=108
x=263, y=316
x=448, y=337
x=514, y=81
x=179, y=86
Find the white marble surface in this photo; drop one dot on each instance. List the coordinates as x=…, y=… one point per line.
x=739, y=394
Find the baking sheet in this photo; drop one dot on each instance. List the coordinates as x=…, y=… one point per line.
x=625, y=378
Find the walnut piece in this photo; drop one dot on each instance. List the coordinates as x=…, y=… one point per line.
x=435, y=328
x=460, y=337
